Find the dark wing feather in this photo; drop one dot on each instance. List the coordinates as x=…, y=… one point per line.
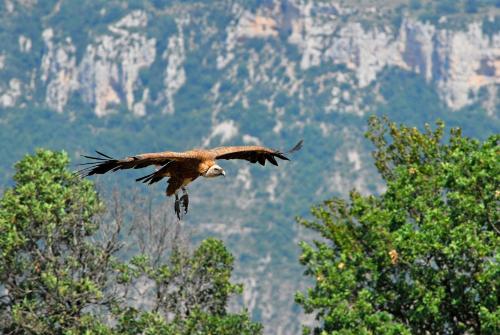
x=103, y=163
x=271, y=159
x=155, y=176
x=253, y=153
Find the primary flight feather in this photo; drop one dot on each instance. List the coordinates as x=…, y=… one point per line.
x=183, y=167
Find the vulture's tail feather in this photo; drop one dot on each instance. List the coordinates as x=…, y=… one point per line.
x=146, y=178
x=150, y=178
x=155, y=176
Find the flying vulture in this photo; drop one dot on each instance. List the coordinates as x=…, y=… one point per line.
x=183, y=167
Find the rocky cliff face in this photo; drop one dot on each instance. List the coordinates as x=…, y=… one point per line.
x=276, y=69
x=458, y=62
x=107, y=74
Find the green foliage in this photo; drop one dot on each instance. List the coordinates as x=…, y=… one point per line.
x=198, y=322
x=423, y=256
x=51, y=271
x=59, y=274
x=190, y=290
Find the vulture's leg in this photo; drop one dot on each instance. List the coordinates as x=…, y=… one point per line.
x=177, y=207
x=185, y=200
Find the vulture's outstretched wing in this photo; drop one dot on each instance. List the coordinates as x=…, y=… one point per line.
x=103, y=163
x=253, y=153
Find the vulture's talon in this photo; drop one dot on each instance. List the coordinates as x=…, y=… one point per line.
x=185, y=202
x=177, y=207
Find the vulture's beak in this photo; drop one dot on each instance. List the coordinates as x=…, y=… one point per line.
x=223, y=173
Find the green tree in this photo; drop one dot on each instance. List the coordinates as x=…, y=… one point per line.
x=422, y=258
x=52, y=275
x=188, y=294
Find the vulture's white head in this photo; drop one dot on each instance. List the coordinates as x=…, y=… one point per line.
x=214, y=171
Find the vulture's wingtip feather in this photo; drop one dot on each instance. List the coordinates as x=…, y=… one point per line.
x=94, y=158
x=297, y=147
x=100, y=153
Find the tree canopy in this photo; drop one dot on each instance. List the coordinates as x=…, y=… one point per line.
x=421, y=258
x=50, y=271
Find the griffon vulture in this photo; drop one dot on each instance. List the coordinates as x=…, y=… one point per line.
x=183, y=167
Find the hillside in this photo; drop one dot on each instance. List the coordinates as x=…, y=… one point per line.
x=136, y=76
